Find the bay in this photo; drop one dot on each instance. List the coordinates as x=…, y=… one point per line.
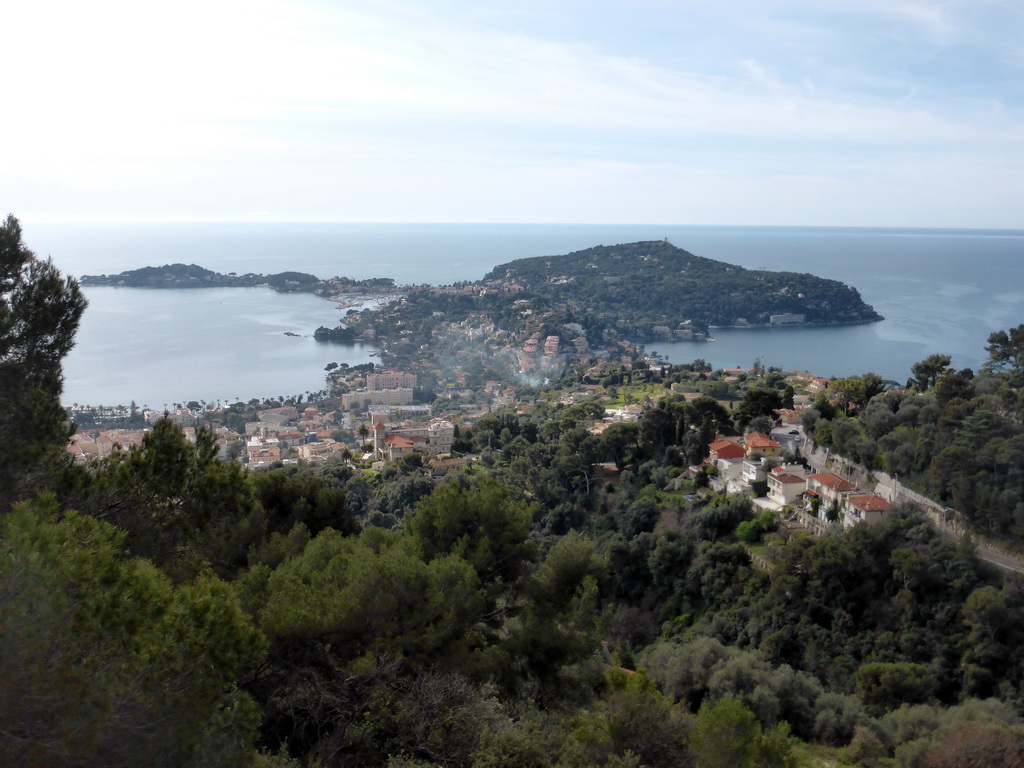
x=160, y=347
x=939, y=291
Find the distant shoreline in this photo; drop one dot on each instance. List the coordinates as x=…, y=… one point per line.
x=350, y=301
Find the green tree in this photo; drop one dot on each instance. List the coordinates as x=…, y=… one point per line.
x=927, y=372
x=759, y=401
x=39, y=315
x=727, y=734
x=955, y=385
x=752, y=531
x=1006, y=352
x=104, y=662
x=871, y=384
x=618, y=442
x=633, y=718
x=573, y=463
x=301, y=498
x=885, y=685
x=553, y=627
x=372, y=594
x=846, y=391
x=481, y=524
x=986, y=655
x=180, y=504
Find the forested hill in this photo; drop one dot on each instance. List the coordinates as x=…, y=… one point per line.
x=657, y=283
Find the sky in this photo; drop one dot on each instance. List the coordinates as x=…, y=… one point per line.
x=745, y=112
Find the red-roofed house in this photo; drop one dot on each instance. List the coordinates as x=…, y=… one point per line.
x=784, y=487
x=829, y=487
x=817, y=385
x=759, y=444
x=863, y=508
x=725, y=449
x=790, y=416
x=290, y=437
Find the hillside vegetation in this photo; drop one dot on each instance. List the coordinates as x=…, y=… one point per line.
x=655, y=283
x=566, y=600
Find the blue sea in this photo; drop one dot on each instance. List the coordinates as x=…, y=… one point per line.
x=939, y=291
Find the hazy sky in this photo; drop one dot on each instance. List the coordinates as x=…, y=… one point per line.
x=789, y=112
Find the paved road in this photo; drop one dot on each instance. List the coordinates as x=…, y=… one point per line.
x=789, y=443
x=992, y=556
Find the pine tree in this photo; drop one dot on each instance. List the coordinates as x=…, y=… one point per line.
x=39, y=314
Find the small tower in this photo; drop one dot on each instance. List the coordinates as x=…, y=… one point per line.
x=378, y=438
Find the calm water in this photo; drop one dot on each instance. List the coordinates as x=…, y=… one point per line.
x=939, y=290
x=227, y=344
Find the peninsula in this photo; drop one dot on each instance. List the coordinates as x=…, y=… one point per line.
x=535, y=316
x=644, y=285
x=648, y=290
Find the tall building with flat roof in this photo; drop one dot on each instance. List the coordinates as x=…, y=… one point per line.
x=390, y=379
x=400, y=396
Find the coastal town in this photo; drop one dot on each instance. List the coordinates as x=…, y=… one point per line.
x=451, y=354
x=531, y=340
x=376, y=421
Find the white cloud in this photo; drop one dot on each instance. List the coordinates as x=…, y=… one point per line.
x=398, y=111
x=933, y=19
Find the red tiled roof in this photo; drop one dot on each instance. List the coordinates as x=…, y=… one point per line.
x=725, y=449
x=834, y=482
x=722, y=444
x=759, y=440
x=868, y=502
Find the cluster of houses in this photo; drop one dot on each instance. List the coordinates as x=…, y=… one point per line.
x=99, y=443
x=538, y=355
x=278, y=431
x=744, y=465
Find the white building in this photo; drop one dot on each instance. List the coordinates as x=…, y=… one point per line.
x=398, y=396
x=381, y=380
x=863, y=508
x=785, y=487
